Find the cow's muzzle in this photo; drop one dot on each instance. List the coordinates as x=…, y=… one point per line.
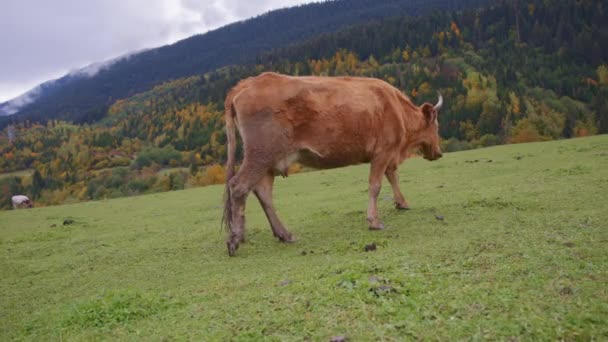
x=434, y=156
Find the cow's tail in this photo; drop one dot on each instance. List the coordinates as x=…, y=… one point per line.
x=229, y=117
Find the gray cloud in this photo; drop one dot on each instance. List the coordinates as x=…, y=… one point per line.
x=43, y=39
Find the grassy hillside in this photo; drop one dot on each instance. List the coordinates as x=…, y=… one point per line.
x=521, y=253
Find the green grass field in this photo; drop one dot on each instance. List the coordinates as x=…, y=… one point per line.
x=522, y=254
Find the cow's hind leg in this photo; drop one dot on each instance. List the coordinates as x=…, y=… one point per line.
x=240, y=186
x=378, y=167
x=263, y=191
x=391, y=175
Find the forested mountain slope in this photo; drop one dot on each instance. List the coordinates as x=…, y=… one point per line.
x=80, y=98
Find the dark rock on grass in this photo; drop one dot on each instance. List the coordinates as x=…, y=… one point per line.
x=439, y=217
x=67, y=222
x=566, y=291
x=371, y=247
x=569, y=244
x=338, y=339
x=303, y=253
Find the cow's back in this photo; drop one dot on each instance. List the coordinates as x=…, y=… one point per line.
x=334, y=121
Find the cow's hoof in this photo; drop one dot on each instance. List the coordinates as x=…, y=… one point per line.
x=232, y=247
x=399, y=206
x=288, y=239
x=375, y=224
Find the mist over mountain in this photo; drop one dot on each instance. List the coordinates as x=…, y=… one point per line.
x=14, y=105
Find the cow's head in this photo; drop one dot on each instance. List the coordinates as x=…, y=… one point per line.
x=429, y=136
x=28, y=203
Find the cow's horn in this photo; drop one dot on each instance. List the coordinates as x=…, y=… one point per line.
x=439, y=102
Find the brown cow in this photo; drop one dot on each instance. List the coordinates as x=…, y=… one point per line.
x=322, y=122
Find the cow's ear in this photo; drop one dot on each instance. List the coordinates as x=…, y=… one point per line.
x=429, y=112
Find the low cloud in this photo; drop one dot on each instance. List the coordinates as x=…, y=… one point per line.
x=12, y=106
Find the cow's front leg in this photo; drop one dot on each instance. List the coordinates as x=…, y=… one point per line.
x=400, y=202
x=375, y=182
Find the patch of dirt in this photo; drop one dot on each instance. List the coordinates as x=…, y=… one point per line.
x=489, y=203
x=383, y=290
x=573, y=171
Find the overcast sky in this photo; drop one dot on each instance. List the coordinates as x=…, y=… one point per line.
x=45, y=39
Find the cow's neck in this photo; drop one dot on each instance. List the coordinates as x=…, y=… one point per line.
x=415, y=126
